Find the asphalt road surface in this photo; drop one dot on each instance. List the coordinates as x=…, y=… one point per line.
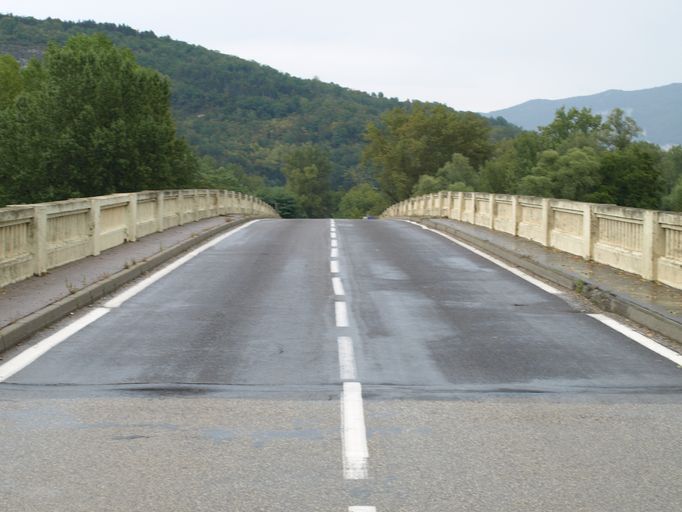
x=309, y=365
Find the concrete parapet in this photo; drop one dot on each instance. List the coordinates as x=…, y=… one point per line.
x=35, y=238
x=647, y=243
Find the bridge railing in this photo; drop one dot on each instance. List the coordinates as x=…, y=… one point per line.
x=643, y=242
x=37, y=237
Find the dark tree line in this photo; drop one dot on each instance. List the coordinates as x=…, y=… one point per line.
x=87, y=120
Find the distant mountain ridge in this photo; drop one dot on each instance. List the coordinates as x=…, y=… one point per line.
x=658, y=110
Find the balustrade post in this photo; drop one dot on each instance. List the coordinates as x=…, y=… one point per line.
x=515, y=215
x=589, y=231
x=39, y=240
x=160, y=212
x=545, y=223
x=491, y=209
x=95, y=230
x=131, y=218
x=652, y=239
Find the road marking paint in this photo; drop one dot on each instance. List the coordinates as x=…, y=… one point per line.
x=355, y=453
x=639, y=338
x=334, y=266
x=333, y=235
x=338, y=286
x=341, y=314
x=362, y=509
x=492, y=259
x=335, y=243
x=335, y=253
x=22, y=360
x=347, y=368
x=134, y=290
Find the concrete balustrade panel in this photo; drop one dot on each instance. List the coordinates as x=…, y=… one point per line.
x=468, y=206
x=16, y=243
x=67, y=231
x=146, y=222
x=566, y=232
x=530, y=218
x=35, y=238
x=618, y=237
x=172, y=209
x=113, y=219
x=504, y=218
x=482, y=209
x=669, y=264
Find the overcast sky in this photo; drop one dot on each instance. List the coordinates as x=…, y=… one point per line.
x=478, y=55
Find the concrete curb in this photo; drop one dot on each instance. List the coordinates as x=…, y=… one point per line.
x=604, y=298
x=17, y=331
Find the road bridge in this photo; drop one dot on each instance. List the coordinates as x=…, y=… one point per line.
x=339, y=365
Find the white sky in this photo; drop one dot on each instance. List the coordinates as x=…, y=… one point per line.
x=478, y=55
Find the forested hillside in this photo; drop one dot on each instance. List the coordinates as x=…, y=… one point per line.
x=71, y=124
x=236, y=111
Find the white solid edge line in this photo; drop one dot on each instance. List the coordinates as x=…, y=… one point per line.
x=639, y=338
x=341, y=314
x=333, y=235
x=334, y=243
x=335, y=253
x=338, y=286
x=355, y=453
x=362, y=509
x=22, y=360
x=492, y=259
x=347, y=368
x=334, y=266
x=134, y=290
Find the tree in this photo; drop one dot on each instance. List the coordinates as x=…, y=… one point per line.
x=10, y=80
x=362, y=200
x=619, y=130
x=569, y=124
x=632, y=177
x=409, y=143
x=284, y=201
x=307, y=169
x=90, y=121
x=455, y=175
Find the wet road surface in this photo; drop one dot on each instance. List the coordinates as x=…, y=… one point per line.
x=309, y=365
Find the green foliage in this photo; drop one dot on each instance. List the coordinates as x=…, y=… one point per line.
x=673, y=200
x=619, y=130
x=573, y=175
x=284, y=201
x=10, y=78
x=307, y=169
x=362, y=200
x=90, y=121
x=455, y=175
x=231, y=109
x=632, y=177
x=671, y=167
x=570, y=124
x=577, y=156
x=411, y=142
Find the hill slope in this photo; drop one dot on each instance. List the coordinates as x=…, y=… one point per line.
x=237, y=111
x=658, y=110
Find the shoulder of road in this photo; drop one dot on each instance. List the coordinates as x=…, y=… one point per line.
x=32, y=304
x=652, y=305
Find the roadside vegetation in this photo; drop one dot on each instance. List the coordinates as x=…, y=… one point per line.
x=87, y=116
